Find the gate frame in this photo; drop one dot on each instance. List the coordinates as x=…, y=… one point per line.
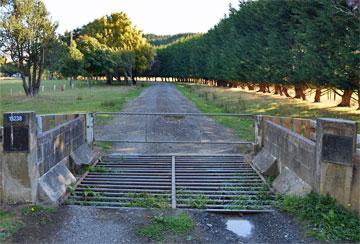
x=207, y=142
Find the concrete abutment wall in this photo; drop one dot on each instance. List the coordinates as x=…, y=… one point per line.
x=35, y=148
x=325, y=161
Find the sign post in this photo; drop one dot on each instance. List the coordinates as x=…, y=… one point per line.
x=16, y=132
x=19, y=164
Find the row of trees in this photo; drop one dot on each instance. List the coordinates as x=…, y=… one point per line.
x=109, y=46
x=302, y=44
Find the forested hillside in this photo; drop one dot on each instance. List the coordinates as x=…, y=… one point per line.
x=281, y=44
x=161, y=40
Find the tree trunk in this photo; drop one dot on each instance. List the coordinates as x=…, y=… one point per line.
x=299, y=92
x=108, y=79
x=267, y=88
x=278, y=90
x=358, y=99
x=41, y=70
x=251, y=87
x=25, y=86
x=36, y=91
x=262, y=88
x=317, y=95
x=33, y=80
x=286, y=92
x=346, y=98
x=127, y=78
x=130, y=76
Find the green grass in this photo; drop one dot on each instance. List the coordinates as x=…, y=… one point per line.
x=99, y=97
x=104, y=145
x=37, y=209
x=160, y=226
x=324, y=218
x=147, y=200
x=244, y=127
x=8, y=224
x=227, y=100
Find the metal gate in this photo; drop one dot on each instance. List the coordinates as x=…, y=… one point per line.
x=147, y=127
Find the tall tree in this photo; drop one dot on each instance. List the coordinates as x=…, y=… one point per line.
x=25, y=32
x=72, y=63
x=97, y=58
x=123, y=40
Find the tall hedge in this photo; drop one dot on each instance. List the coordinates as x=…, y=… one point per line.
x=304, y=44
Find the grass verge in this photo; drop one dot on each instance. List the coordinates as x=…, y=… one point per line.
x=324, y=218
x=232, y=100
x=9, y=224
x=99, y=97
x=161, y=225
x=243, y=126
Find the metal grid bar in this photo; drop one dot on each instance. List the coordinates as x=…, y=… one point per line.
x=176, y=189
x=173, y=183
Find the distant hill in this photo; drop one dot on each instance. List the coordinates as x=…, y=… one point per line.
x=160, y=40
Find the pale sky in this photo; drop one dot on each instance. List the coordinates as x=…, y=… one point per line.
x=150, y=16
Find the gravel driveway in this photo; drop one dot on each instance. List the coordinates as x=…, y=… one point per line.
x=76, y=224
x=164, y=98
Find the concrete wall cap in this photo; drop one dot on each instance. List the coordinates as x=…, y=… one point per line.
x=332, y=120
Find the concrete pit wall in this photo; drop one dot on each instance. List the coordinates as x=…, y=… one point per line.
x=58, y=143
x=1, y=166
x=355, y=189
x=293, y=151
x=329, y=164
x=47, y=122
x=21, y=170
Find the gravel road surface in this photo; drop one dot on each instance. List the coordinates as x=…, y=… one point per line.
x=80, y=224
x=164, y=98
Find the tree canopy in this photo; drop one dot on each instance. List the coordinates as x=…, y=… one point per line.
x=307, y=44
x=25, y=32
x=112, y=46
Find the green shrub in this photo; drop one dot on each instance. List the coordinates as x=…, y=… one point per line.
x=325, y=219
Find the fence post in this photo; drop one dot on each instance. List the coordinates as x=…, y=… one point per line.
x=335, y=150
x=19, y=164
x=39, y=122
x=258, y=131
x=89, y=128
